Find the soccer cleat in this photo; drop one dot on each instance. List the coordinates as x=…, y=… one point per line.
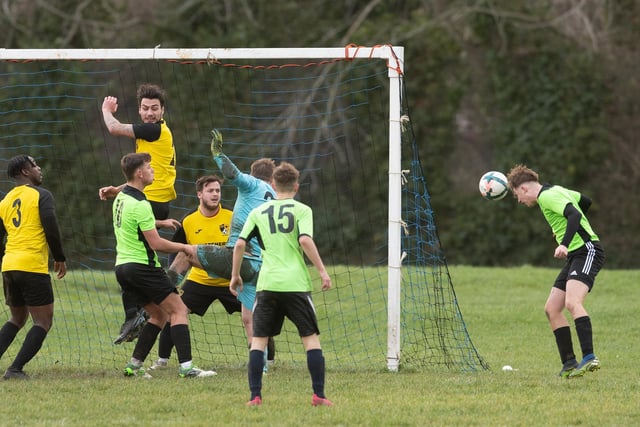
x=159, y=364
x=132, y=370
x=131, y=328
x=589, y=363
x=124, y=331
x=256, y=401
x=15, y=374
x=140, y=321
x=195, y=372
x=567, y=368
x=216, y=143
x=320, y=401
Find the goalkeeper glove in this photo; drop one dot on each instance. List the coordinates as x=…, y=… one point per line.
x=216, y=142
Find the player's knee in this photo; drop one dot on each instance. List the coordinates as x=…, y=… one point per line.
x=573, y=306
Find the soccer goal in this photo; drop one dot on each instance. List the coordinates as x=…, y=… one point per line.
x=340, y=115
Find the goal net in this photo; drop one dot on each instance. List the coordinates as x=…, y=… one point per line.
x=338, y=114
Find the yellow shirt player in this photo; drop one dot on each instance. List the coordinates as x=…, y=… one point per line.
x=28, y=222
x=209, y=224
x=152, y=136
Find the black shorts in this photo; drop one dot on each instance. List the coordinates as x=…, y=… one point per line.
x=272, y=307
x=198, y=298
x=583, y=264
x=160, y=209
x=144, y=284
x=24, y=288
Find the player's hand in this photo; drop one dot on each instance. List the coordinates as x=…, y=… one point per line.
x=110, y=104
x=326, y=281
x=216, y=143
x=60, y=267
x=561, y=252
x=171, y=223
x=190, y=251
x=109, y=192
x=235, y=285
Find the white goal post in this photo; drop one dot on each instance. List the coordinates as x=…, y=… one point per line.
x=394, y=55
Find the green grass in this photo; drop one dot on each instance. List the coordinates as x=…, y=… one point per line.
x=503, y=310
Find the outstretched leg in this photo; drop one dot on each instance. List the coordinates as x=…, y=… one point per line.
x=215, y=260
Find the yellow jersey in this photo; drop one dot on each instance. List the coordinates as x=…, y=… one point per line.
x=27, y=218
x=158, y=143
x=198, y=229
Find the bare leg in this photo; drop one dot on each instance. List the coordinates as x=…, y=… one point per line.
x=247, y=321
x=182, y=263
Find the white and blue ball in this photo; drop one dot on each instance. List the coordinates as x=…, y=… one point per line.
x=493, y=185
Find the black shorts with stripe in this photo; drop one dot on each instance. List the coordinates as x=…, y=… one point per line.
x=583, y=265
x=272, y=307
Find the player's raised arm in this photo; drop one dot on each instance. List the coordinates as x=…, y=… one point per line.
x=109, y=107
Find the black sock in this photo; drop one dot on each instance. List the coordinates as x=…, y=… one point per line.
x=315, y=363
x=146, y=340
x=565, y=345
x=7, y=335
x=585, y=336
x=30, y=347
x=255, y=369
x=165, y=345
x=181, y=338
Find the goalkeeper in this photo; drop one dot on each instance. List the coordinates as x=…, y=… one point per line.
x=253, y=190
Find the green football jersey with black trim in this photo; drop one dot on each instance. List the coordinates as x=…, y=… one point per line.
x=278, y=225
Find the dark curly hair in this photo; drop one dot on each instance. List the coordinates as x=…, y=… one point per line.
x=17, y=163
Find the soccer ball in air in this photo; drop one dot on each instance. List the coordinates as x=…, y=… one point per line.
x=493, y=185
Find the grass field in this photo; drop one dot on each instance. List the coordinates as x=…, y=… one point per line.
x=503, y=312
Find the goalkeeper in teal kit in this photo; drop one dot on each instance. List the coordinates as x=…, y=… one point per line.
x=253, y=190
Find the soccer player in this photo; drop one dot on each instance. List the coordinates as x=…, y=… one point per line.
x=253, y=190
x=284, y=228
x=152, y=136
x=565, y=210
x=208, y=224
x=140, y=274
x=28, y=221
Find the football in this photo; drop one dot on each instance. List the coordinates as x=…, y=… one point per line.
x=493, y=185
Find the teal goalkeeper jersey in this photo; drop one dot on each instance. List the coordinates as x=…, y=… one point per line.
x=132, y=214
x=278, y=224
x=252, y=192
x=552, y=202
